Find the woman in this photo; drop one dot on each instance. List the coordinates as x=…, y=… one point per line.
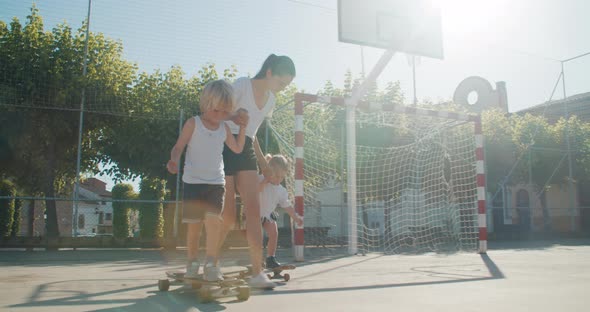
x=257, y=96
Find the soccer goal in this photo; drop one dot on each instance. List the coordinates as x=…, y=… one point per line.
x=403, y=179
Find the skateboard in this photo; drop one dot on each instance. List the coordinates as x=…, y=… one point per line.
x=245, y=273
x=277, y=272
x=208, y=291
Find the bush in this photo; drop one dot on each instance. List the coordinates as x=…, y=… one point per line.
x=18, y=205
x=151, y=219
x=122, y=210
x=6, y=207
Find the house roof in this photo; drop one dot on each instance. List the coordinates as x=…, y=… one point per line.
x=578, y=105
x=96, y=186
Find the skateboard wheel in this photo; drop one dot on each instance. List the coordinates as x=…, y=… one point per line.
x=163, y=285
x=243, y=293
x=205, y=295
x=287, y=277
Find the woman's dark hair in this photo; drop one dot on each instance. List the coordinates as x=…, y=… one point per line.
x=279, y=65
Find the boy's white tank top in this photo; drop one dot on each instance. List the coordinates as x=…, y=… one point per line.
x=203, y=162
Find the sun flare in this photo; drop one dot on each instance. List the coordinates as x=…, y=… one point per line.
x=465, y=17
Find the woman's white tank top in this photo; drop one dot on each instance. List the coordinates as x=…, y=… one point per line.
x=245, y=99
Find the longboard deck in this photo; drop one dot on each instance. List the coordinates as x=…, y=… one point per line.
x=277, y=272
x=283, y=268
x=208, y=290
x=279, y=268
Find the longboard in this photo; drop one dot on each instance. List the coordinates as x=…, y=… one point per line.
x=208, y=291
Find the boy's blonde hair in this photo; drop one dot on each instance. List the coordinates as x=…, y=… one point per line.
x=278, y=162
x=217, y=94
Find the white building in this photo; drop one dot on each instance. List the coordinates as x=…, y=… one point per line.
x=95, y=209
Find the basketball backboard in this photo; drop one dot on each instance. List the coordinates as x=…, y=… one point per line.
x=409, y=26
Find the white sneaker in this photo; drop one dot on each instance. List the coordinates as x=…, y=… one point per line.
x=212, y=273
x=261, y=281
x=192, y=269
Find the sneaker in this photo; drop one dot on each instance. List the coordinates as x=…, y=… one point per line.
x=212, y=273
x=261, y=281
x=192, y=269
x=271, y=262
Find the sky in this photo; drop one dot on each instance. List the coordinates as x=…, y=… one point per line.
x=519, y=42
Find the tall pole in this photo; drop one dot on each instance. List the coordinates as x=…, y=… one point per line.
x=358, y=92
x=362, y=61
x=414, y=79
x=177, y=208
x=81, y=123
x=351, y=178
x=266, y=126
x=530, y=212
x=569, y=155
x=351, y=104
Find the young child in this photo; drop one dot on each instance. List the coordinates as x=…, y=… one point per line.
x=203, y=176
x=273, y=194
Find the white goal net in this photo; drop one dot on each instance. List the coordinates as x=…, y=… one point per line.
x=416, y=186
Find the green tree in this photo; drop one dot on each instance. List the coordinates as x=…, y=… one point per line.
x=18, y=206
x=500, y=149
x=538, y=149
x=41, y=86
x=151, y=222
x=153, y=120
x=155, y=103
x=527, y=148
x=122, y=209
x=579, y=135
x=8, y=189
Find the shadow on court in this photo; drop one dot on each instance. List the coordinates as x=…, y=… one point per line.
x=432, y=271
x=119, y=280
x=177, y=299
x=140, y=294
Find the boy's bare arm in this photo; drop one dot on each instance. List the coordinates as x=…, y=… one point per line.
x=291, y=212
x=178, y=148
x=260, y=157
x=240, y=116
x=235, y=144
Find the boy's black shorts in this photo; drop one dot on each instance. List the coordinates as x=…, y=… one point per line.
x=200, y=199
x=274, y=217
x=244, y=161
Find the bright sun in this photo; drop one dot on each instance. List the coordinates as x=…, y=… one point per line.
x=465, y=17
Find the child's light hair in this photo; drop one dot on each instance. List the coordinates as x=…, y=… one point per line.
x=217, y=94
x=278, y=162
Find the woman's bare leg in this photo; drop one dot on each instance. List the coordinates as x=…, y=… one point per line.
x=248, y=189
x=228, y=214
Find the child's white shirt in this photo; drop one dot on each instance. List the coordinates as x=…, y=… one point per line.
x=272, y=196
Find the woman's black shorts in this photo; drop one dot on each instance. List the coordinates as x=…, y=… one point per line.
x=244, y=161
